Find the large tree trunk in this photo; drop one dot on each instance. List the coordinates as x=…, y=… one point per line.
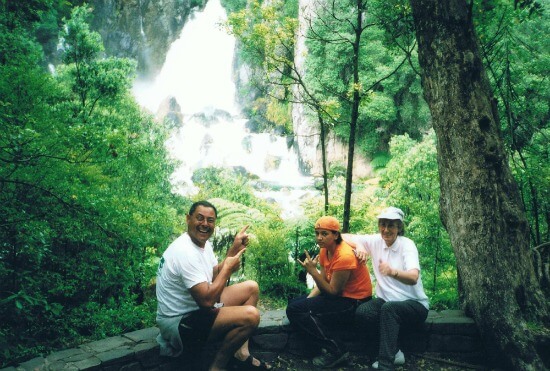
x=480, y=202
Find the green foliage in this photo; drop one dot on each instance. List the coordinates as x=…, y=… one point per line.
x=390, y=94
x=85, y=198
x=86, y=205
x=229, y=184
x=232, y=6
x=233, y=216
x=380, y=160
x=98, y=320
x=515, y=48
x=337, y=170
x=23, y=13
x=269, y=262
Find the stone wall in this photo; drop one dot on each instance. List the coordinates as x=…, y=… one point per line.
x=445, y=332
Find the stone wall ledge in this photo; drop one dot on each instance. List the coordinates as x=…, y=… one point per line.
x=444, y=332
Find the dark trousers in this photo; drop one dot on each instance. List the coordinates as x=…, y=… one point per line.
x=314, y=316
x=389, y=316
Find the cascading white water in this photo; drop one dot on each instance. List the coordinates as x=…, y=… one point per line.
x=198, y=73
x=197, y=70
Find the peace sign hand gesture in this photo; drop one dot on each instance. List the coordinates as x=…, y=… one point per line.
x=308, y=263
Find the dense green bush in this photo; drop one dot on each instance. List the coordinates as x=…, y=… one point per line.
x=85, y=196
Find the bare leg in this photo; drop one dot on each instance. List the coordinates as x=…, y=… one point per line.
x=244, y=293
x=237, y=320
x=235, y=325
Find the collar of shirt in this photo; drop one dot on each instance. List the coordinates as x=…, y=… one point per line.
x=394, y=246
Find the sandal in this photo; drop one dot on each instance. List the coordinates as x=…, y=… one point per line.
x=247, y=364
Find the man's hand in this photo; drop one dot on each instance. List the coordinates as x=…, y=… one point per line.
x=233, y=263
x=309, y=264
x=240, y=242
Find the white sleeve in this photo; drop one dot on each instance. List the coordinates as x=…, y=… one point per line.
x=410, y=256
x=191, y=271
x=365, y=241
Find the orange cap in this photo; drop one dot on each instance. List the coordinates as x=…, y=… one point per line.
x=328, y=222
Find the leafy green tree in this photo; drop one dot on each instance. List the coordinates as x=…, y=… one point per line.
x=349, y=64
x=85, y=196
x=515, y=51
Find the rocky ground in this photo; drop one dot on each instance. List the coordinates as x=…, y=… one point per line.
x=424, y=362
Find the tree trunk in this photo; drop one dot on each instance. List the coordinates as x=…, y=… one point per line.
x=358, y=28
x=324, y=159
x=480, y=201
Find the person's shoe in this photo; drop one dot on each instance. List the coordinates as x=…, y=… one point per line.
x=327, y=360
x=398, y=360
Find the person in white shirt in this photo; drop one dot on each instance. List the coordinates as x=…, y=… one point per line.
x=400, y=297
x=196, y=306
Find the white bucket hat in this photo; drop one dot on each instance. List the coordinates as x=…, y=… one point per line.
x=392, y=213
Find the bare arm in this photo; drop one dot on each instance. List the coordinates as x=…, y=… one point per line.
x=336, y=284
x=206, y=295
x=409, y=277
x=314, y=292
x=360, y=251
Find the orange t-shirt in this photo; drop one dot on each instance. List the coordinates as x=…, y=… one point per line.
x=359, y=285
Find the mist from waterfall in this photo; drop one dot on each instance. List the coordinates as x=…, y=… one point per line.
x=198, y=73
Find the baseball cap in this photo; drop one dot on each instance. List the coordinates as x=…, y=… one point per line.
x=328, y=222
x=392, y=213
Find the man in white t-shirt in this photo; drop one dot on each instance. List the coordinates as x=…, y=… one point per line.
x=194, y=304
x=400, y=297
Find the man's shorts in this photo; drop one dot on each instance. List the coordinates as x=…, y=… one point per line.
x=195, y=327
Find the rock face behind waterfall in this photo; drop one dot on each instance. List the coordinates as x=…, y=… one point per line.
x=140, y=29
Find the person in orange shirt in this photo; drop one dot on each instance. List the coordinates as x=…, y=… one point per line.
x=341, y=284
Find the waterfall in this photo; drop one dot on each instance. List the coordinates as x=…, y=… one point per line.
x=198, y=74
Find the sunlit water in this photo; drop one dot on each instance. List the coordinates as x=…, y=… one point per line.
x=198, y=73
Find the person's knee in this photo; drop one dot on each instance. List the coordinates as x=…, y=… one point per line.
x=367, y=313
x=251, y=315
x=294, y=310
x=390, y=310
x=255, y=287
x=252, y=287
x=390, y=307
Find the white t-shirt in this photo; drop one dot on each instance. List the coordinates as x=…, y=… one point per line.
x=182, y=266
x=402, y=255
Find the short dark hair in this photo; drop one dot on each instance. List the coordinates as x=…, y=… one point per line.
x=202, y=203
x=339, y=239
x=401, y=226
